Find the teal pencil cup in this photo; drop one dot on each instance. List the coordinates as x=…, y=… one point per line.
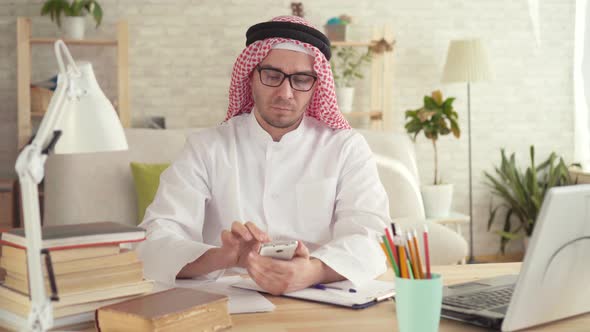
x=418, y=303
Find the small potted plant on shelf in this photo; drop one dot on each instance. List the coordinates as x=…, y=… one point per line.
x=522, y=193
x=336, y=27
x=435, y=118
x=347, y=64
x=74, y=12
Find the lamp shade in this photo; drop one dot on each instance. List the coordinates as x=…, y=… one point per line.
x=467, y=61
x=89, y=122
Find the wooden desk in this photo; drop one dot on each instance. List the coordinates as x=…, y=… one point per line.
x=300, y=316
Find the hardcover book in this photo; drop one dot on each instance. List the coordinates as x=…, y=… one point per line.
x=176, y=309
x=77, y=235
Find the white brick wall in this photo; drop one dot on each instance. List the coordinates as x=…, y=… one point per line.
x=181, y=55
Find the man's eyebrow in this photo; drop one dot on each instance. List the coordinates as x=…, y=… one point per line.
x=307, y=72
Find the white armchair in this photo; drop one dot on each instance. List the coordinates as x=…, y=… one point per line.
x=396, y=163
x=98, y=187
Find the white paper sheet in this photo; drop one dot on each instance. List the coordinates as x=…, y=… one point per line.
x=240, y=300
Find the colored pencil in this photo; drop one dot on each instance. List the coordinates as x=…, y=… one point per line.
x=392, y=246
x=388, y=253
x=426, y=253
x=401, y=249
x=414, y=262
x=418, y=256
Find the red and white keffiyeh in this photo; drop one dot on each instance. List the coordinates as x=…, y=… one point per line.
x=323, y=105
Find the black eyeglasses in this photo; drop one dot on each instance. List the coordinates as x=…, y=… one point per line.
x=274, y=77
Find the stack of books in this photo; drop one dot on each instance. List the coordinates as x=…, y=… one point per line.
x=89, y=268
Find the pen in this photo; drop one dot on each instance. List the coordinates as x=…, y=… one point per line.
x=393, y=230
x=324, y=287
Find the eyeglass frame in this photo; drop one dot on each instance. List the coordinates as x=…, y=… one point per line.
x=259, y=69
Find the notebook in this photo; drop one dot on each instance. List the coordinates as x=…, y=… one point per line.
x=368, y=294
x=77, y=235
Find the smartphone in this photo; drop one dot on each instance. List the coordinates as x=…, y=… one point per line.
x=284, y=250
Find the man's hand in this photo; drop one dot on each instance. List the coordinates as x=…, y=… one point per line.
x=237, y=243
x=277, y=276
x=235, y=246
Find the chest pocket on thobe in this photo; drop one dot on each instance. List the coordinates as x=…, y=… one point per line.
x=315, y=204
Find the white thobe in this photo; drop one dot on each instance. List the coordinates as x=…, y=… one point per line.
x=315, y=185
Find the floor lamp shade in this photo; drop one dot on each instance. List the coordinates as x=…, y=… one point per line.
x=467, y=61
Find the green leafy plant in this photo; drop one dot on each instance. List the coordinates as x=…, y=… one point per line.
x=522, y=193
x=436, y=118
x=347, y=64
x=55, y=8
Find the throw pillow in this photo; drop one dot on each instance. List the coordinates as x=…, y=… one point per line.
x=147, y=179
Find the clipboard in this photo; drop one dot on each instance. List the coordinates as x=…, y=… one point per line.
x=368, y=294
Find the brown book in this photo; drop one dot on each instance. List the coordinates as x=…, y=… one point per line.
x=15, y=265
x=83, y=281
x=176, y=309
x=62, y=311
x=58, y=237
x=117, y=291
x=63, y=255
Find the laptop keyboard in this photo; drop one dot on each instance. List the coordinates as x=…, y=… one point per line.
x=483, y=300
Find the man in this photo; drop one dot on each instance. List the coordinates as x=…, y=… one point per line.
x=284, y=165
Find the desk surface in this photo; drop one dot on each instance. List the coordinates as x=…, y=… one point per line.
x=299, y=316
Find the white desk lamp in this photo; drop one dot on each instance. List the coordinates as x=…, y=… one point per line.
x=79, y=119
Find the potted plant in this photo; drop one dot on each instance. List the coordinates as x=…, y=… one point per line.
x=522, y=193
x=435, y=118
x=75, y=12
x=347, y=63
x=336, y=27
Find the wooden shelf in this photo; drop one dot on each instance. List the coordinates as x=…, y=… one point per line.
x=88, y=42
x=352, y=43
x=361, y=114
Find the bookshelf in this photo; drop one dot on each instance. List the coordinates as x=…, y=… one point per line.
x=381, y=45
x=25, y=43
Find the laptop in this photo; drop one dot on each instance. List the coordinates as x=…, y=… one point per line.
x=553, y=281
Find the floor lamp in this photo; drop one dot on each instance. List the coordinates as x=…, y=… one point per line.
x=467, y=62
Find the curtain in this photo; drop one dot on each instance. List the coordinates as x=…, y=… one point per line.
x=581, y=77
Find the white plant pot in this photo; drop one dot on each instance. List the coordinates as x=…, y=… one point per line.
x=437, y=200
x=345, y=97
x=74, y=27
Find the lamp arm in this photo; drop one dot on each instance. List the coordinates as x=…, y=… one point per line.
x=41, y=312
x=30, y=167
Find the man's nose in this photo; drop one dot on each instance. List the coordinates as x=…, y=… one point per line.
x=284, y=90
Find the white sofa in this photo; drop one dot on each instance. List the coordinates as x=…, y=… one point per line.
x=99, y=186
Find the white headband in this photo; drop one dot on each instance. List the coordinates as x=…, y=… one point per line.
x=293, y=47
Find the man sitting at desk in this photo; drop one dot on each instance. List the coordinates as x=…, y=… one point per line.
x=284, y=165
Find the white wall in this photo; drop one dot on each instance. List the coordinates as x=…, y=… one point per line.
x=182, y=52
